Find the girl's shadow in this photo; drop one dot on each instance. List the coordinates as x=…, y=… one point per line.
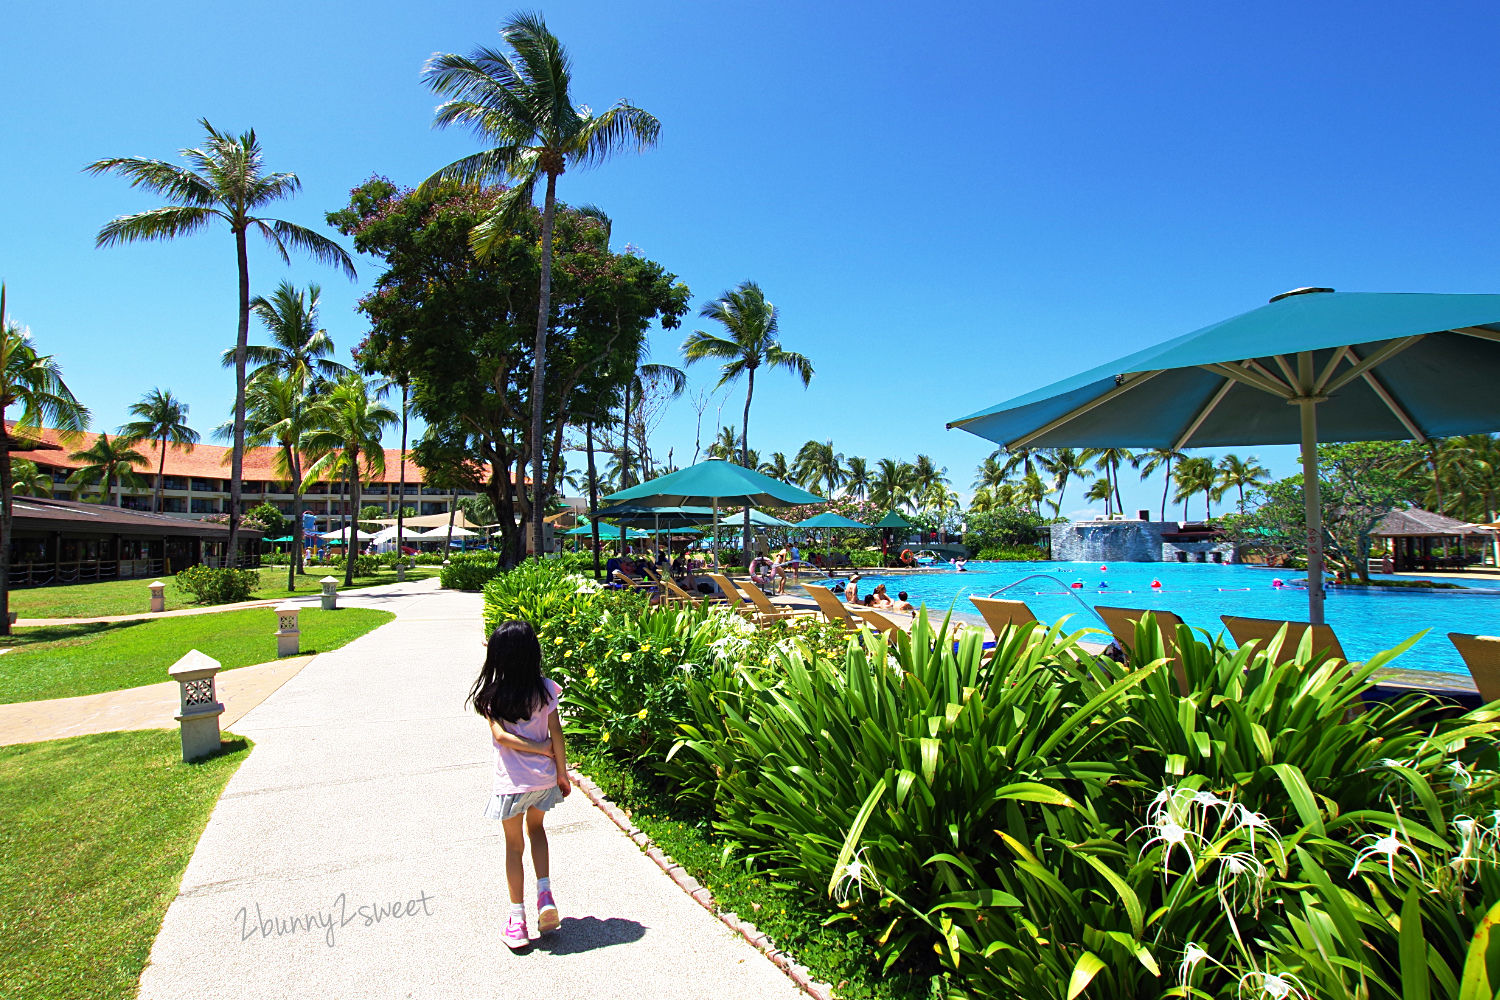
x=580, y=934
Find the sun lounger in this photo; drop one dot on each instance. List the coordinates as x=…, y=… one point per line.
x=1263, y=630
x=1000, y=614
x=1481, y=654
x=634, y=584
x=764, y=605
x=876, y=620
x=738, y=598
x=832, y=608
x=1122, y=623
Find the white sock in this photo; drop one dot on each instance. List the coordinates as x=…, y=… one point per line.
x=518, y=910
x=543, y=885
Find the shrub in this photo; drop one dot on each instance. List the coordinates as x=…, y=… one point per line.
x=218, y=586
x=469, y=574
x=536, y=591
x=1011, y=553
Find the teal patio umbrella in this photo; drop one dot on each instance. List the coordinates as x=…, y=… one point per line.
x=1312, y=365
x=828, y=519
x=891, y=521
x=714, y=483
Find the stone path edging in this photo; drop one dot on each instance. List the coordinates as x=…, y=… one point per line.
x=692, y=887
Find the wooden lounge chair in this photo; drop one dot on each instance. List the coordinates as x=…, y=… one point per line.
x=632, y=583
x=1000, y=615
x=737, y=598
x=833, y=609
x=1481, y=655
x=876, y=620
x=764, y=605
x=1122, y=623
x=1263, y=630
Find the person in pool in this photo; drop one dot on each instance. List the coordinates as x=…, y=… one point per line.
x=903, y=604
x=851, y=589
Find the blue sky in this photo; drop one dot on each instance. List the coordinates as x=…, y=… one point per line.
x=951, y=204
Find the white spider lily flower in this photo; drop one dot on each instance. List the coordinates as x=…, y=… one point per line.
x=1463, y=778
x=853, y=877
x=1170, y=835
x=1386, y=847
x=1239, y=876
x=1192, y=957
x=1252, y=823
x=1271, y=986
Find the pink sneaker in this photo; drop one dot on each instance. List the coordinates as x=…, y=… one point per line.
x=547, y=919
x=515, y=935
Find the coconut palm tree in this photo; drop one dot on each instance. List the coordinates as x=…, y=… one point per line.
x=820, y=468
x=1159, y=458
x=894, y=484
x=298, y=346
x=1101, y=490
x=926, y=474
x=1108, y=461
x=347, y=437
x=1236, y=473
x=1017, y=458
x=856, y=477
x=28, y=480
x=34, y=383
x=279, y=412
x=776, y=467
x=983, y=501
x=1063, y=464
x=991, y=473
x=224, y=181
x=109, y=465
x=520, y=101
x=1197, y=475
x=160, y=417
x=752, y=325
x=726, y=444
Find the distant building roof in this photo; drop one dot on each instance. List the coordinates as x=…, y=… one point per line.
x=206, y=461
x=47, y=514
x=1415, y=523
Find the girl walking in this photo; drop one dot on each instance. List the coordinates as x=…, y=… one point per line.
x=531, y=764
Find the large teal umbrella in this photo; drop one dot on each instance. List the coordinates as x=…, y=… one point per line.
x=893, y=520
x=1312, y=365
x=714, y=484
x=828, y=519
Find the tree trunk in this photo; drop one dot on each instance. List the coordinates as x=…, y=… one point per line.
x=625, y=441
x=5, y=517
x=1119, y=500
x=351, y=548
x=237, y=454
x=401, y=498
x=745, y=454
x=1164, y=487
x=452, y=513
x=539, y=372
x=161, y=468
x=593, y=498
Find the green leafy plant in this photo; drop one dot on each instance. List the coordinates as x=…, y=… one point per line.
x=218, y=586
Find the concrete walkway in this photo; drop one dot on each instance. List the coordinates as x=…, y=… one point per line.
x=365, y=790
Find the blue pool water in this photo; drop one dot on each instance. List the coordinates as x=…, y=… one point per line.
x=1200, y=592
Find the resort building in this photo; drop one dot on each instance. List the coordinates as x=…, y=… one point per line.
x=196, y=484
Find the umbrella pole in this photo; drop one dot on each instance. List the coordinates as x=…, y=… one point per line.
x=1312, y=491
x=716, y=532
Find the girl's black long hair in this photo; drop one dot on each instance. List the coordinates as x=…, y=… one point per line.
x=509, y=687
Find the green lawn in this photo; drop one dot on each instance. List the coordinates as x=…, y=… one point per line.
x=128, y=597
x=88, y=869
x=57, y=661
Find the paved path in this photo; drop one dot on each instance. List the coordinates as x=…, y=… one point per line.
x=365, y=788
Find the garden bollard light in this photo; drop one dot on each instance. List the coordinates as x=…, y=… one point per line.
x=330, y=593
x=288, y=635
x=158, y=596
x=401, y=572
x=199, y=718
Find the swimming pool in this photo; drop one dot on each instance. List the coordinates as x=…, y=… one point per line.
x=1200, y=592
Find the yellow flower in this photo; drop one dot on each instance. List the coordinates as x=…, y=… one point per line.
x=596, y=631
x=641, y=714
x=646, y=648
x=667, y=651
x=625, y=657
x=567, y=653
x=558, y=641
x=604, y=738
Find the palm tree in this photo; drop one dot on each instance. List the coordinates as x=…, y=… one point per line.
x=893, y=485
x=225, y=181
x=990, y=473
x=1108, y=461
x=776, y=467
x=856, y=477
x=751, y=323
x=520, y=101
x=1160, y=458
x=109, y=464
x=926, y=474
x=1063, y=464
x=347, y=437
x=1101, y=490
x=667, y=378
x=27, y=480
x=1032, y=491
x=160, y=417
x=34, y=382
x=726, y=444
x=1197, y=475
x=983, y=502
x=1017, y=458
x=820, y=467
x=280, y=412
x=1237, y=473
x=299, y=347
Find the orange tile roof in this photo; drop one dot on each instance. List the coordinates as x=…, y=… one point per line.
x=205, y=461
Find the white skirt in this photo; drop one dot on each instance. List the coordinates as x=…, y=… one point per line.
x=506, y=805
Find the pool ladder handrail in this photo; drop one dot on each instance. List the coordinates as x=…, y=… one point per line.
x=1061, y=586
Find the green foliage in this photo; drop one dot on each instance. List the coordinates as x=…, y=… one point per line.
x=1010, y=553
x=267, y=519
x=1028, y=815
x=470, y=571
x=536, y=591
x=1002, y=526
x=218, y=586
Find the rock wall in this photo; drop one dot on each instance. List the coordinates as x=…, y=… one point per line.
x=1110, y=541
